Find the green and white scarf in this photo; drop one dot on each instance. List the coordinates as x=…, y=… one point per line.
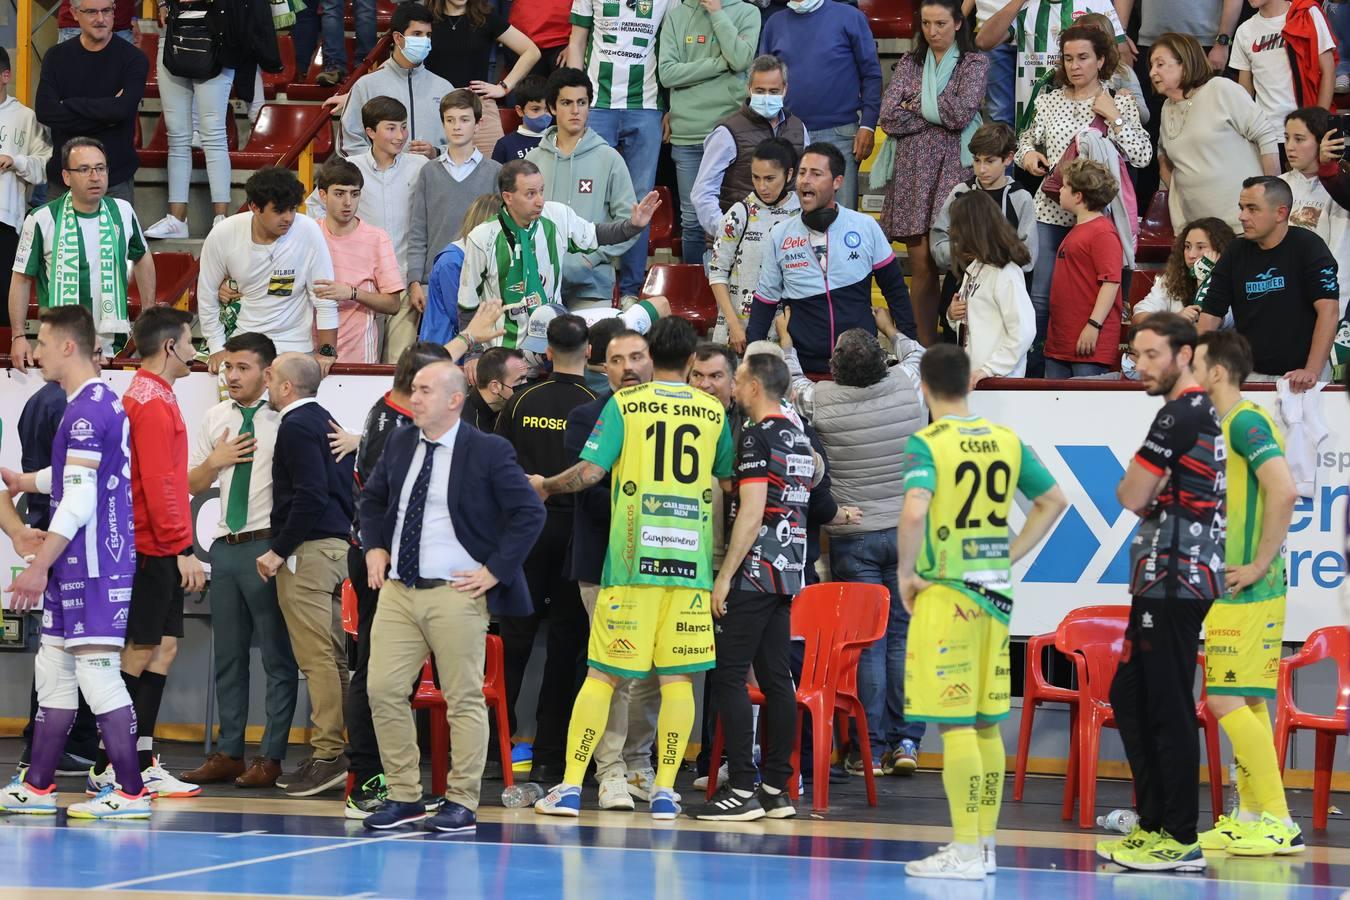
x=64, y=274
x=522, y=286
x=284, y=12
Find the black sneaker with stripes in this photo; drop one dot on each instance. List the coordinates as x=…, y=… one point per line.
x=776, y=806
x=729, y=806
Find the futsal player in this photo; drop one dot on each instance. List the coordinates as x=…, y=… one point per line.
x=90, y=555
x=1175, y=484
x=664, y=444
x=955, y=574
x=1245, y=627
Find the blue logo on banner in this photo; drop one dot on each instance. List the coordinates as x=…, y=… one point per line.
x=1072, y=546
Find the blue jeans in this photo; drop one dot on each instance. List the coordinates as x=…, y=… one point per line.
x=1001, y=104
x=305, y=35
x=687, y=159
x=212, y=99
x=1059, y=369
x=1339, y=14
x=842, y=137
x=636, y=134
x=870, y=558
x=1048, y=239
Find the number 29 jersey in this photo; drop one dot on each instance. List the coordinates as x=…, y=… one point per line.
x=663, y=444
x=972, y=467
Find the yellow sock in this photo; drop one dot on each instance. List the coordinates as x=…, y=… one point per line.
x=1262, y=714
x=590, y=714
x=963, y=779
x=993, y=760
x=673, y=725
x=1255, y=750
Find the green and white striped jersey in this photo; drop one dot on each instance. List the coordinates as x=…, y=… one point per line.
x=621, y=55
x=1036, y=32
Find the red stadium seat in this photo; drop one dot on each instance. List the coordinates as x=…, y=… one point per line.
x=175, y=276
x=1332, y=643
x=663, y=231
x=510, y=121
x=274, y=82
x=1141, y=282
x=1155, y=234
x=278, y=129
x=148, y=41
x=384, y=12
x=889, y=19
x=155, y=155
x=428, y=696
x=686, y=287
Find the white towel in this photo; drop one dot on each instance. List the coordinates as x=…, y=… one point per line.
x=1305, y=430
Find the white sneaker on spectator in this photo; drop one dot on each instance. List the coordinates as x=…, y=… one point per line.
x=168, y=227
x=701, y=782
x=948, y=862
x=626, y=301
x=640, y=783
x=614, y=794
x=217, y=220
x=1342, y=83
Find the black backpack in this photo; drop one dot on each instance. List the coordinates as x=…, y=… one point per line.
x=193, y=39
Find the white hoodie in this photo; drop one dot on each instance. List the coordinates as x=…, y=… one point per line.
x=23, y=139
x=418, y=89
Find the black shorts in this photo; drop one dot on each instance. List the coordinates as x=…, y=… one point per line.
x=156, y=601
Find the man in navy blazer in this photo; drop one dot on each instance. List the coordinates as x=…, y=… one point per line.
x=447, y=519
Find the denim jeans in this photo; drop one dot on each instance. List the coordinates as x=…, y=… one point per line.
x=1055, y=368
x=1048, y=239
x=1339, y=14
x=694, y=242
x=842, y=137
x=1001, y=104
x=65, y=34
x=636, y=134
x=870, y=557
x=212, y=97
x=305, y=35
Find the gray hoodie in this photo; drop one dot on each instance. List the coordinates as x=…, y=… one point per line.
x=418, y=89
x=593, y=180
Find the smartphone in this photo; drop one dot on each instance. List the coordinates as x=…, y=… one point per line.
x=1340, y=123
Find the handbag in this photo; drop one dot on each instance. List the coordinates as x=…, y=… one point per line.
x=192, y=42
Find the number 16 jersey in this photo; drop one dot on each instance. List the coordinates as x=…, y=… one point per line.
x=972, y=467
x=663, y=443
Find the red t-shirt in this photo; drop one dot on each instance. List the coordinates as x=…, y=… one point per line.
x=123, y=12
x=543, y=21
x=1090, y=255
x=159, y=478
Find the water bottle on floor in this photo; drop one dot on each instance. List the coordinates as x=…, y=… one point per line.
x=522, y=796
x=1121, y=820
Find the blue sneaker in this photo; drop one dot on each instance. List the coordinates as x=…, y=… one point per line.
x=563, y=800
x=453, y=818
x=663, y=804
x=393, y=814
x=905, y=759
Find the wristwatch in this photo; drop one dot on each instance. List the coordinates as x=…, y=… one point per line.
x=1095, y=324
x=1118, y=122
x=1222, y=40
x=328, y=350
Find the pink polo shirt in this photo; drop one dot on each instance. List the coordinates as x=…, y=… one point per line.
x=364, y=258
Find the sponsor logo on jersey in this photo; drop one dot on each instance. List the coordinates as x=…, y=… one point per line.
x=622, y=648
x=670, y=506
x=693, y=628
x=667, y=568
x=119, y=595
x=120, y=617
x=81, y=430
x=668, y=538
x=799, y=464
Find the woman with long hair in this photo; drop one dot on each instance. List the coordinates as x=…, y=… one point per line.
x=1197, y=248
x=992, y=311
x=930, y=110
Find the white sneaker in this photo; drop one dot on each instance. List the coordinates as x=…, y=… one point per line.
x=1342, y=83
x=112, y=804
x=626, y=301
x=990, y=859
x=948, y=863
x=21, y=797
x=614, y=794
x=161, y=784
x=723, y=774
x=95, y=784
x=217, y=220
x=169, y=227
x=640, y=784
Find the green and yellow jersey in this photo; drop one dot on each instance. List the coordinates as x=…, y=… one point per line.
x=1253, y=439
x=972, y=467
x=664, y=444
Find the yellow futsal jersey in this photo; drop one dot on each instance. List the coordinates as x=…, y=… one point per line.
x=663, y=443
x=1252, y=439
x=971, y=466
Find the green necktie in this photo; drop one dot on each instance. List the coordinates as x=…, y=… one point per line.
x=236, y=507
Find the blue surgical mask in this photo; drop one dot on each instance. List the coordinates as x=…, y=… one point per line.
x=804, y=6
x=767, y=105
x=416, y=48
x=538, y=123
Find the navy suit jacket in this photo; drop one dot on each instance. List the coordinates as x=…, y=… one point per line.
x=496, y=514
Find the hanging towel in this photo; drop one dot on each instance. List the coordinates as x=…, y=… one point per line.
x=1305, y=431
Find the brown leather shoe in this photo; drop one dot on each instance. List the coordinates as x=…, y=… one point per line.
x=217, y=768
x=262, y=773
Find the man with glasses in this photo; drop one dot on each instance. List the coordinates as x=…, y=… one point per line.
x=68, y=23
x=76, y=248
x=92, y=87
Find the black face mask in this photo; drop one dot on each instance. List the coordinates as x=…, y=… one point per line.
x=821, y=219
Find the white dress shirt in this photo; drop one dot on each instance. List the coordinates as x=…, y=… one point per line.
x=441, y=553
x=217, y=420
x=460, y=171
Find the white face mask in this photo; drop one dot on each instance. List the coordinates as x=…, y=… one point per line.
x=767, y=105
x=416, y=48
x=804, y=6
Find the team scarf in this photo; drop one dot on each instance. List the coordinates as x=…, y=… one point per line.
x=522, y=286
x=64, y=272
x=935, y=78
x=284, y=12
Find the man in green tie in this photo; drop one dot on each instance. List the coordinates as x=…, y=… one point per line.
x=234, y=446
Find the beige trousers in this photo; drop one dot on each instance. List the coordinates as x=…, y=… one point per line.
x=400, y=330
x=314, y=620
x=626, y=745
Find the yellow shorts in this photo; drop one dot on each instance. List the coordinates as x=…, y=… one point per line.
x=956, y=662
x=640, y=627
x=1242, y=647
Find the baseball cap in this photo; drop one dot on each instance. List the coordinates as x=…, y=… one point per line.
x=536, y=332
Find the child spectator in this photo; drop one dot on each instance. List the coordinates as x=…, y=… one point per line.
x=1177, y=290
x=534, y=118
x=1265, y=44
x=446, y=187
x=440, y=320
x=734, y=271
x=366, y=279
x=993, y=305
x=1313, y=207
x=24, y=152
x=1084, y=331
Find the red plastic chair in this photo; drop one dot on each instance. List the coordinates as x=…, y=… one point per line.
x=686, y=287
x=275, y=82
x=384, y=12
x=175, y=274
x=428, y=696
x=155, y=155
x=872, y=603
x=1036, y=690
x=1155, y=233
x=662, y=234
x=1140, y=284
x=1094, y=646
x=278, y=129
x=148, y=42
x=889, y=19
x=1331, y=643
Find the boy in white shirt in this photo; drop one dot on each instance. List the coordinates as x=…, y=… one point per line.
x=24, y=152
x=1262, y=60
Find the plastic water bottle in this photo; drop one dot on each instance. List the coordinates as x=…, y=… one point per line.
x=522, y=796
x=1121, y=820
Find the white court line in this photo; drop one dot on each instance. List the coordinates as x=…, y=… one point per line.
x=238, y=834
x=202, y=870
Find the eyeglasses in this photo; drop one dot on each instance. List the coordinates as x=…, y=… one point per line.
x=97, y=13
x=86, y=171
